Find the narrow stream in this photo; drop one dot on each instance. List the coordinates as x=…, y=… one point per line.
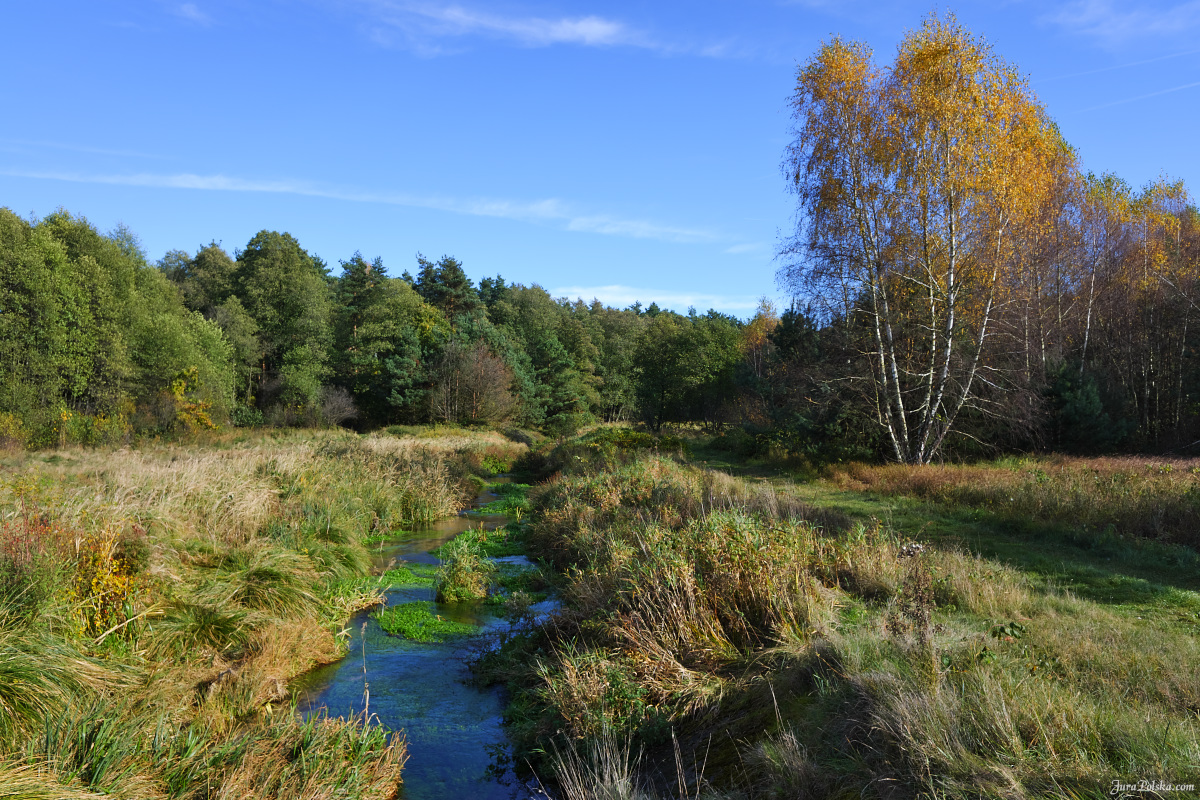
x=452, y=726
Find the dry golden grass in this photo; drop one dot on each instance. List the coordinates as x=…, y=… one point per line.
x=843, y=660
x=35, y=782
x=1153, y=498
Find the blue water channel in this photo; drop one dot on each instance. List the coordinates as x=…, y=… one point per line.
x=452, y=726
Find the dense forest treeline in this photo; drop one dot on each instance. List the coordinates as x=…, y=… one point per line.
x=97, y=345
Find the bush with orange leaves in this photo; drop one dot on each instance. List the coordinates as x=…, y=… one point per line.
x=34, y=552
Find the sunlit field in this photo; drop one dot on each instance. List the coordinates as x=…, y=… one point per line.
x=1008, y=630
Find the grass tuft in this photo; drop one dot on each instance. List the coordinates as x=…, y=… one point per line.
x=466, y=573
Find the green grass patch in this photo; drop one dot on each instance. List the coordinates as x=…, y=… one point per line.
x=1124, y=573
x=418, y=622
x=498, y=543
x=511, y=499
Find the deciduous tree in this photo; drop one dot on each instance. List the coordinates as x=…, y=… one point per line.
x=912, y=182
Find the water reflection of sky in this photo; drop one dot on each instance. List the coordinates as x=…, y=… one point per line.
x=422, y=689
x=453, y=728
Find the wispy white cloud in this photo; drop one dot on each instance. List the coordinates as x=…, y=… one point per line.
x=636, y=229
x=551, y=211
x=1125, y=100
x=592, y=31
x=622, y=296
x=1104, y=20
x=426, y=26
x=1126, y=65
x=746, y=248
x=190, y=12
x=424, y=23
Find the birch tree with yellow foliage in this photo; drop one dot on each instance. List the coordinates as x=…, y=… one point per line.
x=914, y=183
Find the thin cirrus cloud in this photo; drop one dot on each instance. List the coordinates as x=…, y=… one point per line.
x=190, y=12
x=1114, y=67
x=1125, y=100
x=1103, y=20
x=551, y=211
x=425, y=26
x=746, y=248
x=621, y=296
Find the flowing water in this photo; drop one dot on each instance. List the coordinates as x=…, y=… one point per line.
x=452, y=726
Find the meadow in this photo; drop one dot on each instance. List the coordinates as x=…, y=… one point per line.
x=155, y=602
x=726, y=629
x=1018, y=629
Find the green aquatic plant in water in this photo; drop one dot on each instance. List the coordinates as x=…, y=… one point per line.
x=379, y=537
x=524, y=579
x=405, y=576
x=409, y=576
x=418, y=622
x=511, y=499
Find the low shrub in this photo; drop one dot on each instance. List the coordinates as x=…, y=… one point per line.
x=34, y=563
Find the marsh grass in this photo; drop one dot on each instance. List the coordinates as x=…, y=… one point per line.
x=822, y=656
x=603, y=768
x=39, y=673
x=466, y=573
x=155, y=603
x=36, y=782
x=1149, y=498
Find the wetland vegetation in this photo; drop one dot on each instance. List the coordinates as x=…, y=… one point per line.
x=726, y=626
x=874, y=631
x=157, y=602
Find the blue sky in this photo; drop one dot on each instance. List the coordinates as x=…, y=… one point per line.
x=620, y=150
